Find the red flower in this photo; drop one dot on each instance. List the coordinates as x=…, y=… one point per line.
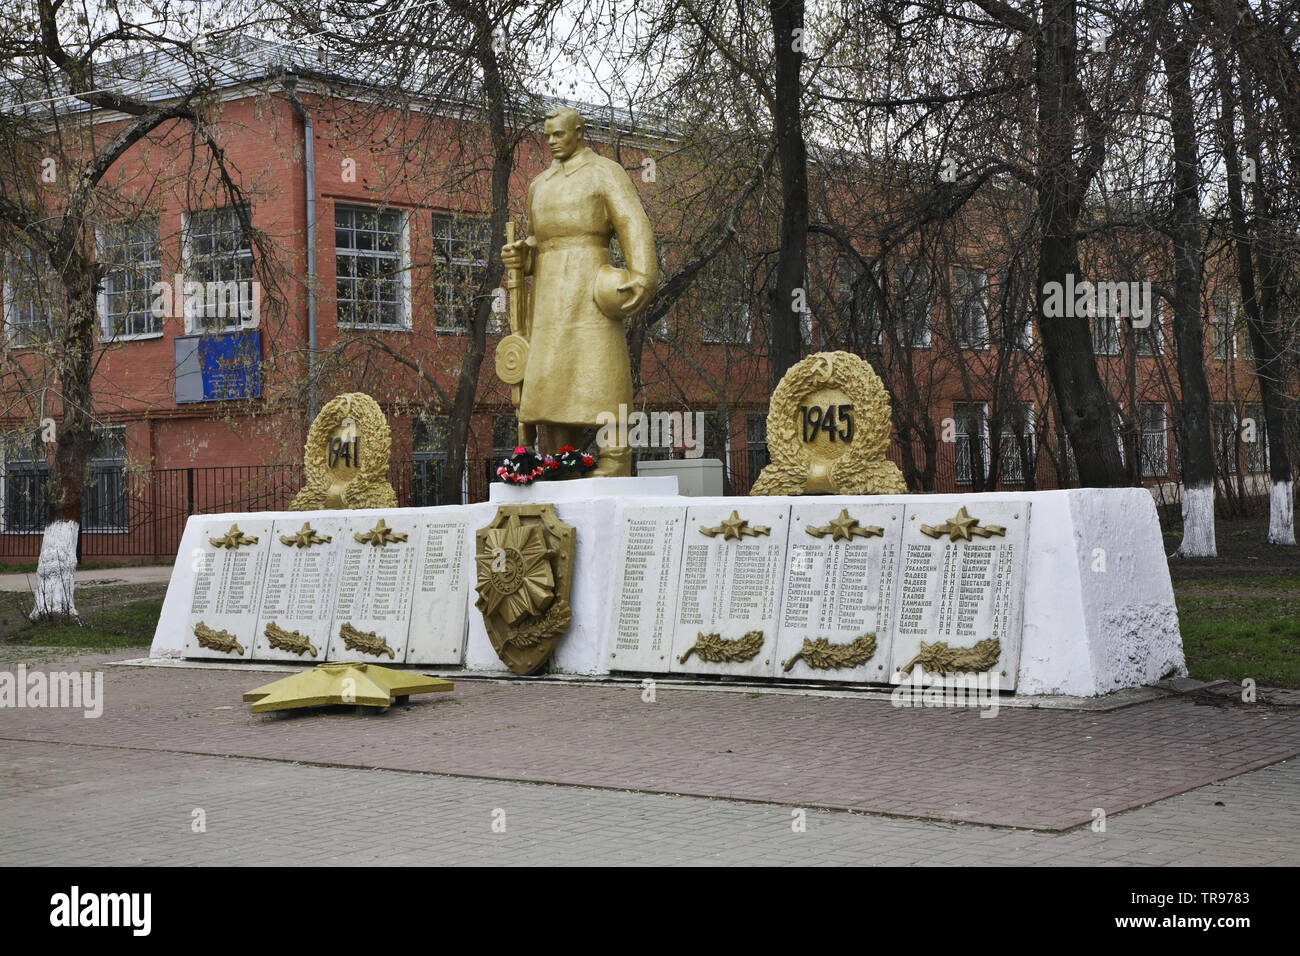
x=520, y=450
x=588, y=460
x=566, y=449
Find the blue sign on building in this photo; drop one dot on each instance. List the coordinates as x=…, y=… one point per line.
x=215, y=368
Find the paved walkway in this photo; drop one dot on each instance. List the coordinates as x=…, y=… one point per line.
x=138, y=574
x=70, y=805
x=695, y=776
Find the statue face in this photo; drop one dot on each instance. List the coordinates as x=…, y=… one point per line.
x=562, y=137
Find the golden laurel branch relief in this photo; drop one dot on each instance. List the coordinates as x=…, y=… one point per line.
x=304, y=537
x=716, y=650
x=215, y=640
x=828, y=431
x=845, y=528
x=939, y=658
x=735, y=528
x=822, y=655
x=295, y=642
x=379, y=535
x=366, y=641
x=962, y=525
x=232, y=539
x=553, y=624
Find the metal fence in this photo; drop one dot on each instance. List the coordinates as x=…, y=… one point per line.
x=142, y=514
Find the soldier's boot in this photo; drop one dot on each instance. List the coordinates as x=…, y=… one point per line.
x=614, y=461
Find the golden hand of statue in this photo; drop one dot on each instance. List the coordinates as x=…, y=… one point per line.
x=641, y=290
x=514, y=255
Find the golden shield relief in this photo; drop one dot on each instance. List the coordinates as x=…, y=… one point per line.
x=524, y=560
x=828, y=431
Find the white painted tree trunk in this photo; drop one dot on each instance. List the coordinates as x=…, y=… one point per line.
x=1198, y=523
x=1281, y=514
x=56, y=572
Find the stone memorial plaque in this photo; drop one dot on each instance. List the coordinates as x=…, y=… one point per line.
x=440, y=605
x=841, y=562
x=298, y=590
x=378, y=556
x=729, y=588
x=647, y=566
x=960, y=591
x=229, y=564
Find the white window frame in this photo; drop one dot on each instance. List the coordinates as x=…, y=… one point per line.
x=1219, y=327
x=1007, y=440
x=1149, y=433
x=873, y=309
x=909, y=270
x=959, y=424
x=154, y=266
x=982, y=344
x=402, y=256
x=192, y=326
x=441, y=311
x=1152, y=332
x=17, y=335
x=1255, y=411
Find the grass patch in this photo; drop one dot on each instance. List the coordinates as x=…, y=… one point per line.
x=126, y=618
x=1232, y=635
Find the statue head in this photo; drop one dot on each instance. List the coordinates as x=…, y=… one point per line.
x=564, y=131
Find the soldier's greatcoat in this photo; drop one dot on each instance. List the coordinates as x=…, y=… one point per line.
x=577, y=357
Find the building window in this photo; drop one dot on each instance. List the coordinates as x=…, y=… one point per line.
x=429, y=439
x=105, y=502
x=724, y=296
x=1105, y=334
x=756, y=454
x=130, y=252
x=1148, y=339
x=1155, y=441
x=1223, y=322
x=1254, y=435
x=460, y=251
x=26, y=484
x=859, y=296
x=971, y=447
x=372, y=271
x=912, y=305
x=1016, y=449
x=218, y=252
x=970, y=305
x=1223, y=426
x=32, y=303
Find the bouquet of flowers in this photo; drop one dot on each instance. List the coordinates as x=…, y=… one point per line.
x=524, y=467
x=569, y=462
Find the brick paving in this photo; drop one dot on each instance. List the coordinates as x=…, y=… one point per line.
x=1025, y=768
x=76, y=805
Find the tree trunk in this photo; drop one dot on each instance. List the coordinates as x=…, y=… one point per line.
x=789, y=296
x=1261, y=304
x=57, y=566
x=1067, y=341
x=503, y=160
x=1198, y=451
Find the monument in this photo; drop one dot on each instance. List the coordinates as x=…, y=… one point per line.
x=566, y=358
x=828, y=431
x=345, y=462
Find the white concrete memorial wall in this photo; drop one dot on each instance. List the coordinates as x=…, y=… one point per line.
x=1078, y=600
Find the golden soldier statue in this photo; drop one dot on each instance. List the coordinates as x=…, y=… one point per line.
x=569, y=344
